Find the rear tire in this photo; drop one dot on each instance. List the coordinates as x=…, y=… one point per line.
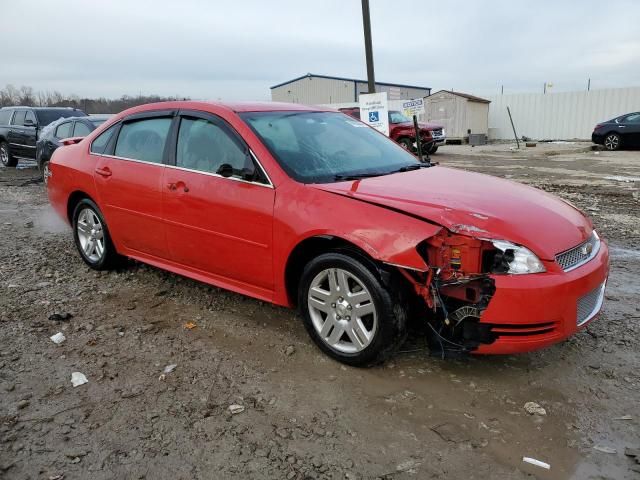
x=6, y=159
x=612, y=141
x=91, y=236
x=348, y=312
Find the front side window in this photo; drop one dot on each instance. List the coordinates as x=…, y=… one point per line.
x=99, y=145
x=320, y=147
x=143, y=139
x=64, y=130
x=81, y=130
x=207, y=147
x=18, y=118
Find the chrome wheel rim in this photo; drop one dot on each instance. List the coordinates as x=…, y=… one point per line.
x=45, y=173
x=4, y=155
x=90, y=235
x=342, y=310
x=611, y=142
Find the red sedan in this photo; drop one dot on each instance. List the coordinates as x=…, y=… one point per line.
x=306, y=207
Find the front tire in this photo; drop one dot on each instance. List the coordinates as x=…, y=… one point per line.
x=433, y=149
x=406, y=143
x=92, y=238
x=612, y=141
x=348, y=311
x=6, y=159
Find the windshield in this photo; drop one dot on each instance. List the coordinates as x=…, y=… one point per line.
x=321, y=147
x=45, y=117
x=398, y=117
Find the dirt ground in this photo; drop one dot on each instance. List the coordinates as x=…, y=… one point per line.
x=305, y=416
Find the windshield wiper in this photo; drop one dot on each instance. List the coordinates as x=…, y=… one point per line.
x=357, y=176
x=413, y=166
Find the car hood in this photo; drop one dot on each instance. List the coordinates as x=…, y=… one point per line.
x=422, y=125
x=477, y=205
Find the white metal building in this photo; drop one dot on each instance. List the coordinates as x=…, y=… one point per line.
x=459, y=113
x=321, y=89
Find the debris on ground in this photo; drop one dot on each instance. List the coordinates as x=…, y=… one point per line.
x=605, y=449
x=537, y=463
x=78, y=379
x=60, y=317
x=170, y=368
x=532, y=408
x=451, y=433
x=290, y=350
x=190, y=325
x=58, y=338
x=235, y=409
x=632, y=452
x=624, y=417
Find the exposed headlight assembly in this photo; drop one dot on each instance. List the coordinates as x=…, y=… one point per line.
x=515, y=259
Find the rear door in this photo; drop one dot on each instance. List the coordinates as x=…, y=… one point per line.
x=16, y=134
x=129, y=176
x=218, y=205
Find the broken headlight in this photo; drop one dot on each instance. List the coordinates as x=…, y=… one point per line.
x=515, y=259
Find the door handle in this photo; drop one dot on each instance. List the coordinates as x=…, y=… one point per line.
x=622, y=126
x=104, y=172
x=174, y=186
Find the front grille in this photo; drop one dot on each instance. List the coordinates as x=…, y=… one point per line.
x=579, y=255
x=589, y=305
x=436, y=133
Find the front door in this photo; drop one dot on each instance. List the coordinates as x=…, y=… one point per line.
x=218, y=205
x=631, y=132
x=128, y=176
x=15, y=136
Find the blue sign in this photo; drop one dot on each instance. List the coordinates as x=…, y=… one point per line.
x=374, y=117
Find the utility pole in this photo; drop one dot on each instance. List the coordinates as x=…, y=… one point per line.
x=368, y=48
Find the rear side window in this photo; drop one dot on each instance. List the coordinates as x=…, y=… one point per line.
x=64, y=130
x=81, y=130
x=143, y=139
x=18, y=118
x=5, y=116
x=99, y=145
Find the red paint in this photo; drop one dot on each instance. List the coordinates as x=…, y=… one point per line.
x=239, y=235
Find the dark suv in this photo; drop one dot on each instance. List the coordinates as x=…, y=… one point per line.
x=20, y=128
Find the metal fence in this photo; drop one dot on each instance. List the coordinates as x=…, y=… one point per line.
x=559, y=116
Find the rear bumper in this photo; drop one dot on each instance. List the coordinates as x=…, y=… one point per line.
x=597, y=138
x=529, y=312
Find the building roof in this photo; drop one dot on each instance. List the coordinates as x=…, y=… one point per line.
x=313, y=75
x=471, y=98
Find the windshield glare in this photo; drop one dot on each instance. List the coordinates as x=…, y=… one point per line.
x=398, y=117
x=321, y=147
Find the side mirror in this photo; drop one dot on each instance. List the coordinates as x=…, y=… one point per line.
x=225, y=170
x=29, y=123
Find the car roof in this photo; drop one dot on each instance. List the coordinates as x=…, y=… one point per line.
x=237, y=107
x=61, y=109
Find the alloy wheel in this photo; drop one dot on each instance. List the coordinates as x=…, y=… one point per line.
x=46, y=173
x=4, y=155
x=90, y=235
x=612, y=142
x=342, y=310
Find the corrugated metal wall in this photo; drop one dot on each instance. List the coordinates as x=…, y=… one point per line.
x=318, y=90
x=559, y=116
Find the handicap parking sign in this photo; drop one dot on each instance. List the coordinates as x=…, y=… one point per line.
x=374, y=117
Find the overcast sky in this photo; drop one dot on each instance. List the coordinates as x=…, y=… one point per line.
x=236, y=50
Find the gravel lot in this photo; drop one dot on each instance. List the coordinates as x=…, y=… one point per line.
x=302, y=414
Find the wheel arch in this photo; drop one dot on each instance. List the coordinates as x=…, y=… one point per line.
x=73, y=201
x=310, y=248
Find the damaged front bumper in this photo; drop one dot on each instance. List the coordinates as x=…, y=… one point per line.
x=529, y=312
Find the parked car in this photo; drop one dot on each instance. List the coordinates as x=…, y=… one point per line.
x=402, y=130
x=20, y=128
x=53, y=134
x=293, y=205
x=622, y=131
